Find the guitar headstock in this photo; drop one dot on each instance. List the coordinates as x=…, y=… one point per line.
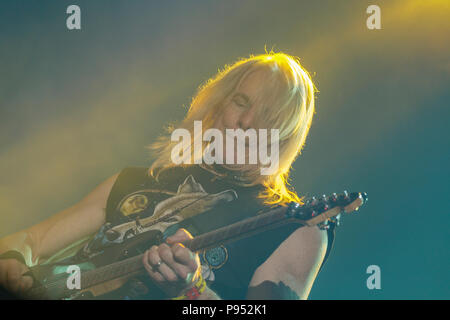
x=325, y=209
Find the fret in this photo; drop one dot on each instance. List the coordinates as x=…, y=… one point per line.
x=101, y=276
x=227, y=232
x=190, y=244
x=135, y=263
x=85, y=279
x=110, y=274
x=239, y=230
x=235, y=230
x=127, y=268
x=200, y=242
x=252, y=224
x=215, y=237
x=193, y=244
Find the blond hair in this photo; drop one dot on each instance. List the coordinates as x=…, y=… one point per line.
x=287, y=104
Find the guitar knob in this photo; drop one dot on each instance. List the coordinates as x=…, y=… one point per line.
x=325, y=203
x=112, y=235
x=292, y=209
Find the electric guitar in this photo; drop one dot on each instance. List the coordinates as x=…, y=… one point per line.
x=113, y=266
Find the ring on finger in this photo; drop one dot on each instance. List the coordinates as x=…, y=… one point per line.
x=156, y=266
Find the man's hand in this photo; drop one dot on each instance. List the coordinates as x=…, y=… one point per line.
x=11, y=276
x=171, y=265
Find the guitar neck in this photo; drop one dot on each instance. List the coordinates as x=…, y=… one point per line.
x=238, y=230
x=233, y=232
x=312, y=213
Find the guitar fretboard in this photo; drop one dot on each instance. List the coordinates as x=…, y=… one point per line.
x=312, y=213
x=247, y=227
x=233, y=232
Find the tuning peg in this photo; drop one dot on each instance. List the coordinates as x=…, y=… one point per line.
x=325, y=205
x=292, y=209
x=333, y=197
x=344, y=199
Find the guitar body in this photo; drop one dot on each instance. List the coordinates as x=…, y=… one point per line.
x=109, y=255
x=109, y=290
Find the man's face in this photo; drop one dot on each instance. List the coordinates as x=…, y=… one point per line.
x=240, y=110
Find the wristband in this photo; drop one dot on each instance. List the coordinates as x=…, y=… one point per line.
x=194, y=292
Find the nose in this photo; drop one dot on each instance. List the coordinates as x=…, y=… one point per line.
x=246, y=119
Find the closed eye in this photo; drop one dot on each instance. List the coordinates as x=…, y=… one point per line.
x=240, y=104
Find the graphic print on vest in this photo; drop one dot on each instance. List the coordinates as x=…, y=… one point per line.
x=190, y=200
x=134, y=204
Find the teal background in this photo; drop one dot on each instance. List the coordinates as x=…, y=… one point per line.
x=77, y=106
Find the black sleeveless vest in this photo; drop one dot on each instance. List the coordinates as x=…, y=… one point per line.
x=228, y=268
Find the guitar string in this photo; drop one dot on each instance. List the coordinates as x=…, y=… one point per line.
x=105, y=269
x=118, y=264
x=57, y=282
x=248, y=224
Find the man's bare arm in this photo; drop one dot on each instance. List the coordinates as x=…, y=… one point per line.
x=57, y=232
x=290, y=271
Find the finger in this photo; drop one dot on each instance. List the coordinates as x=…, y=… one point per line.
x=23, y=268
x=164, y=268
x=185, y=256
x=154, y=274
x=179, y=236
x=13, y=279
x=26, y=283
x=166, y=254
x=26, y=280
x=5, y=267
x=149, y=266
x=2, y=273
x=153, y=257
x=168, y=273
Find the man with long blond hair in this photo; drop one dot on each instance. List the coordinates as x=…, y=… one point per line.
x=271, y=92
